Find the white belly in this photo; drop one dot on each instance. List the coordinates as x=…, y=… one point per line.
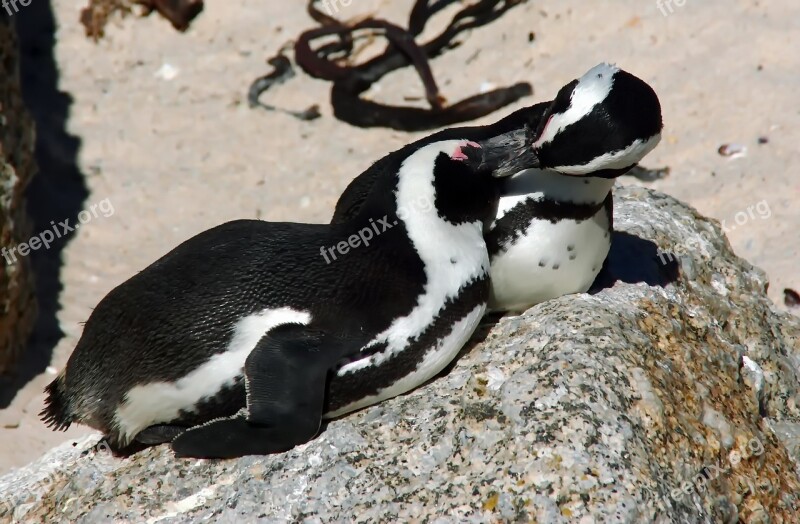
x=549, y=261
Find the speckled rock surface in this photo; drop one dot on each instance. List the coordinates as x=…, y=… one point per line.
x=665, y=396
x=17, y=303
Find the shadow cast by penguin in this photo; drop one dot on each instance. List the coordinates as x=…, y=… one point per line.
x=634, y=260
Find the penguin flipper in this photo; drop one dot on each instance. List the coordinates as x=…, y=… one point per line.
x=286, y=377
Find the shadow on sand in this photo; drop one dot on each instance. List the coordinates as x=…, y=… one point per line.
x=56, y=193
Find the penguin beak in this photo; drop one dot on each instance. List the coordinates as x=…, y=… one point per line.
x=508, y=154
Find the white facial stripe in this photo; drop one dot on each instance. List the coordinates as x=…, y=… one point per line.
x=160, y=402
x=433, y=362
x=453, y=255
x=593, y=87
x=617, y=160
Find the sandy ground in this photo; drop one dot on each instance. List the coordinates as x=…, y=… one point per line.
x=175, y=157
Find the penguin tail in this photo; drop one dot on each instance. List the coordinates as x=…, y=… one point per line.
x=57, y=413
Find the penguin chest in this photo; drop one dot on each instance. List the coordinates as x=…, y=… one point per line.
x=548, y=258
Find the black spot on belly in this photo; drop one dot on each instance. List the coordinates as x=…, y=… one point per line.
x=572, y=256
x=556, y=265
x=369, y=381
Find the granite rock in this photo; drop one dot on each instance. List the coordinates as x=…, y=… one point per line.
x=669, y=394
x=17, y=300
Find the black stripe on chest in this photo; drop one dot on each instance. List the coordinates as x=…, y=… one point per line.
x=369, y=381
x=511, y=226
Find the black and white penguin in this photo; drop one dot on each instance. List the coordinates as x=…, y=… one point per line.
x=241, y=339
x=552, y=230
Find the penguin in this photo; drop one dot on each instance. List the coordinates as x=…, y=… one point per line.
x=552, y=229
x=242, y=339
x=552, y=232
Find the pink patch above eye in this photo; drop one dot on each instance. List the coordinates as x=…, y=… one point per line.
x=458, y=154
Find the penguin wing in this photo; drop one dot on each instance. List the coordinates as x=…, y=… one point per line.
x=286, y=376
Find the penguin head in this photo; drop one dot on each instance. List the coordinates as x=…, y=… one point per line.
x=601, y=124
x=456, y=178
